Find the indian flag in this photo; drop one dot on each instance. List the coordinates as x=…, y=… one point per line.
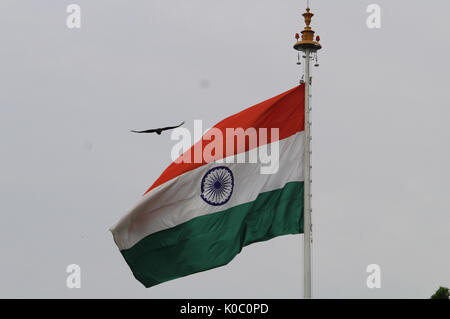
x=198, y=215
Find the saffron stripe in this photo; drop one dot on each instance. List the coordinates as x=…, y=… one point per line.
x=285, y=112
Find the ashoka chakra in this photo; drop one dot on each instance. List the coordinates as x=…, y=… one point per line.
x=217, y=186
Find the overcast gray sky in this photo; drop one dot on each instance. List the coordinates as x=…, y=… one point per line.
x=70, y=168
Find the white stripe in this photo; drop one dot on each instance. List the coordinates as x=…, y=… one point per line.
x=178, y=200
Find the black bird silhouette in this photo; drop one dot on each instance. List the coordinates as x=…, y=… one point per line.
x=158, y=130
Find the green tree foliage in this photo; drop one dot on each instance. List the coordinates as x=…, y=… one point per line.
x=441, y=293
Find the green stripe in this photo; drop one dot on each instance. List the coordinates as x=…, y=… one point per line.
x=213, y=240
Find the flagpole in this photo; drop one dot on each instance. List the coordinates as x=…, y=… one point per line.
x=308, y=46
x=307, y=183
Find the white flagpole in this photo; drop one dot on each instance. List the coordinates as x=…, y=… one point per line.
x=307, y=184
x=308, y=45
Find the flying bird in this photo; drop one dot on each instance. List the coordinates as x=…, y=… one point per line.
x=158, y=130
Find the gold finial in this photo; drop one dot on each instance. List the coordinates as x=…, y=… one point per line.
x=308, y=15
x=307, y=41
